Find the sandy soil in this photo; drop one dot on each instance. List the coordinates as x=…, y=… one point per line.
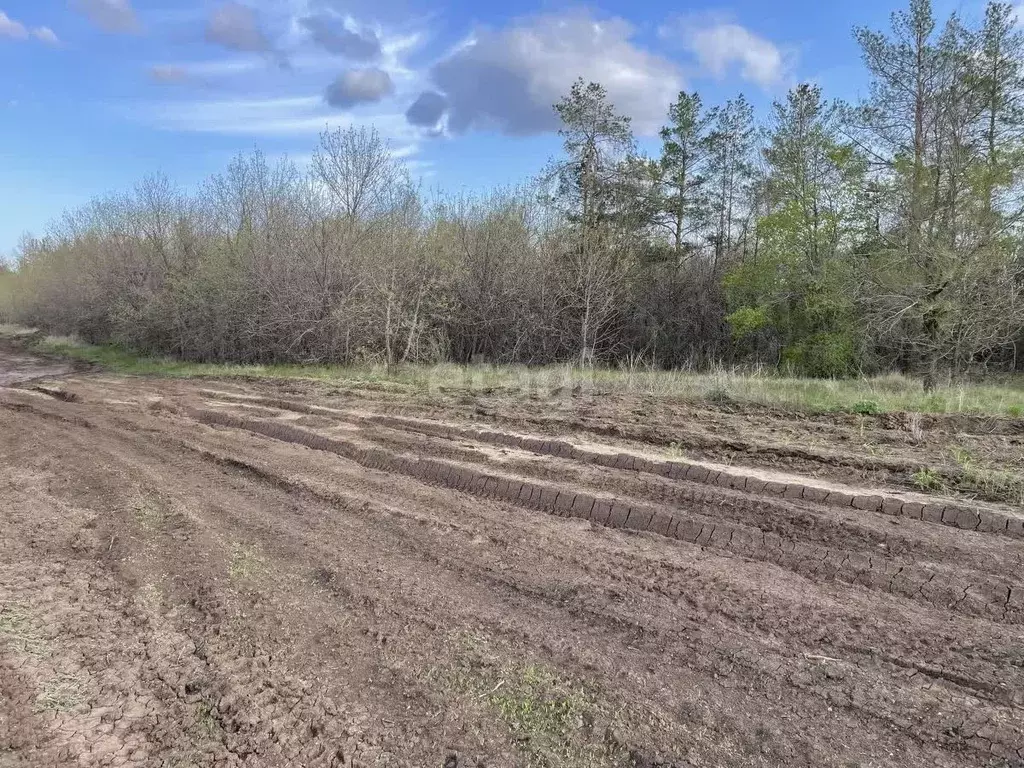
x=198, y=573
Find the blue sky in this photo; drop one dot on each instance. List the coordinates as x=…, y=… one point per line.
x=95, y=94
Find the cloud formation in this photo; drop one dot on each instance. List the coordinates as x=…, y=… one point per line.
x=332, y=35
x=11, y=28
x=15, y=30
x=359, y=86
x=508, y=79
x=235, y=26
x=427, y=110
x=116, y=16
x=46, y=35
x=720, y=45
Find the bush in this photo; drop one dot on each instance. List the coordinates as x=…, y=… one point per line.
x=866, y=407
x=927, y=479
x=718, y=395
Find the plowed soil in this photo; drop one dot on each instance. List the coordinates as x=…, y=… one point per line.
x=260, y=573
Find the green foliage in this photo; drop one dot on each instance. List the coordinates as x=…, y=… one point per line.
x=830, y=241
x=943, y=120
x=800, y=289
x=893, y=392
x=823, y=355
x=927, y=479
x=747, y=320
x=866, y=407
x=7, y=294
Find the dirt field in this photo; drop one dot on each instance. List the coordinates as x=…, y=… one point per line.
x=212, y=572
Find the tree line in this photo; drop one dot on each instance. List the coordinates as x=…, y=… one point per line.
x=831, y=239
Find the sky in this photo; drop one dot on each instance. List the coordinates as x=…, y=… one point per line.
x=97, y=94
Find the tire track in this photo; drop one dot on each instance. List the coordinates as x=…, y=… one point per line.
x=938, y=512
x=991, y=598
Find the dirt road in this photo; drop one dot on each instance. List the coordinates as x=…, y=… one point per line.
x=198, y=573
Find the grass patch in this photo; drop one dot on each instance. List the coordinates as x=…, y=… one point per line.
x=866, y=407
x=993, y=484
x=544, y=713
x=61, y=693
x=1003, y=396
x=149, y=516
x=245, y=562
x=551, y=720
x=16, y=630
x=927, y=479
x=208, y=719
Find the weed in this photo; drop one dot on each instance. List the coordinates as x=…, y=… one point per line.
x=914, y=428
x=927, y=480
x=149, y=516
x=963, y=457
x=889, y=392
x=207, y=719
x=936, y=403
x=994, y=484
x=16, y=628
x=245, y=562
x=866, y=407
x=61, y=693
x=550, y=719
x=719, y=395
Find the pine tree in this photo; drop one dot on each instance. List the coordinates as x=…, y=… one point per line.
x=681, y=172
x=942, y=128
x=800, y=287
x=729, y=147
x=598, y=144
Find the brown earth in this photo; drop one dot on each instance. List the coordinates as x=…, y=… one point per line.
x=292, y=573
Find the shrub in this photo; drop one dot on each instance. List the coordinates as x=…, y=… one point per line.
x=927, y=479
x=866, y=407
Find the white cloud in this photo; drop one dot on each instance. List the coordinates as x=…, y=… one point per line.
x=286, y=105
x=359, y=86
x=15, y=30
x=267, y=117
x=278, y=117
x=509, y=79
x=46, y=35
x=11, y=28
x=216, y=68
x=720, y=44
x=333, y=35
x=109, y=15
x=235, y=26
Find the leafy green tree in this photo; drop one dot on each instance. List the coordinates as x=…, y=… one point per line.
x=800, y=288
x=999, y=71
x=943, y=278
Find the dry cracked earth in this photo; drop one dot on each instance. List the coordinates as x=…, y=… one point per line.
x=259, y=573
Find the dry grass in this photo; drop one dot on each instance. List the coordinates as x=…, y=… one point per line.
x=551, y=720
x=245, y=562
x=61, y=693
x=1002, y=396
x=18, y=631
